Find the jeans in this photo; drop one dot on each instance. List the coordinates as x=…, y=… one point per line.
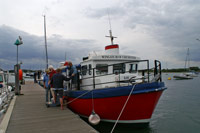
x=47, y=94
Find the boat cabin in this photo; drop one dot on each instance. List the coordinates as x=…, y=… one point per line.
x=109, y=68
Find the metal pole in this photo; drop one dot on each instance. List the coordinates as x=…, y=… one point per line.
x=148, y=69
x=17, y=54
x=45, y=39
x=93, y=78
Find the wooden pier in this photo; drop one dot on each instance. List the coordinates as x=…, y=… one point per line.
x=29, y=114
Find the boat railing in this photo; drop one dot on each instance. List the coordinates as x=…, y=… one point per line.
x=145, y=74
x=157, y=70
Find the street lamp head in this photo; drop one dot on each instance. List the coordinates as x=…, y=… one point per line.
x=198, y=39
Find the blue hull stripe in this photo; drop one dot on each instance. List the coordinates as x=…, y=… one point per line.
x=119, y=91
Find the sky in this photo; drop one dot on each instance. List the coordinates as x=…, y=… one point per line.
x=149, y=29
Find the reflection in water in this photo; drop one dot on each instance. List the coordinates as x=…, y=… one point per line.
x=105, y=127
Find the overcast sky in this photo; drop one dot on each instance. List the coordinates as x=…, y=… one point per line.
x=150, y=29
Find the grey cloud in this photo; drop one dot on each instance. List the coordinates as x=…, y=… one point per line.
x=175, y=24
x=32, y=51
x=103, y=12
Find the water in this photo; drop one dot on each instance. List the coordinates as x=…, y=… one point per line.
x=178, y=110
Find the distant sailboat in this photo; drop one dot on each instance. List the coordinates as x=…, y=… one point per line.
x=187, y=75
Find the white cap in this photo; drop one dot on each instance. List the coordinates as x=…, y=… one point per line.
x=50, y=66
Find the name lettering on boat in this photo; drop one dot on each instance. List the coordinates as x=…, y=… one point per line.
x=126, y=77
x=117, y=57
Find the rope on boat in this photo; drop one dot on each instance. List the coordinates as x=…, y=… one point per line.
x=92, y=101
x=78, y=97
x=123, y=108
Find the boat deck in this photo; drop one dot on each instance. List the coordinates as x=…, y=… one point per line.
x=30, y=115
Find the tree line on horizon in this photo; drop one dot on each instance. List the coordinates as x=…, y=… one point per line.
x=196, y=69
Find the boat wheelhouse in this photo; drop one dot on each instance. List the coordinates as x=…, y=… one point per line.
x=111, y=69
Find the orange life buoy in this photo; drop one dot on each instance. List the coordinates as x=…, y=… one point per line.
x=20, y=74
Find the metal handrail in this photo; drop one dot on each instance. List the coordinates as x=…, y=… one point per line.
x=93, y=76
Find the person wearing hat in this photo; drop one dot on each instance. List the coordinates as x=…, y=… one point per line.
x=46, y=85
x=51, y=73
x=73, y=75
x=57, y=83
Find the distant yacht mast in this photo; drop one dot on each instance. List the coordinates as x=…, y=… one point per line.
x=187, y=60
x=110, y=31
x=45, y=39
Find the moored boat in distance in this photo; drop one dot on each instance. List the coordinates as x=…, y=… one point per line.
x=188, y=74
x=117, y=87
x=182, y=76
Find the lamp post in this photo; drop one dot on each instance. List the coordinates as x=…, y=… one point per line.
x=17, y=67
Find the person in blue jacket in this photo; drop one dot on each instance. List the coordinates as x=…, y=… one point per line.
x=73, y=75
x=46, y=85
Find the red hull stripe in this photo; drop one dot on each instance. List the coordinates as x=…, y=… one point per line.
x=111, y=47
x=139, y=106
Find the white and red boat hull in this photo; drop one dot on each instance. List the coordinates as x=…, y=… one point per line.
x=139, y=108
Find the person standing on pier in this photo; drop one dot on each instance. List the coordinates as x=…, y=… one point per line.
x=73, y=75
x=57, y=82
x=34, y=76
x=46, y=85
x=51, y=73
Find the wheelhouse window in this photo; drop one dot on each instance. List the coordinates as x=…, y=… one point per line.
x=90, y=69
x=84, y=70
x=1, y=78
x=101, y=69
x=119, y=68
x=133, y=68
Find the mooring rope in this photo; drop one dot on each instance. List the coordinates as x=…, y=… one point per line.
x=78, y=97
x=92, y=101
x=123, y=108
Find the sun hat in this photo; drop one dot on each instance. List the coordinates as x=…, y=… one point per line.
x=50, y=66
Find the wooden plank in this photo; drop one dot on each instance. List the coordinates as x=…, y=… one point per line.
x=30, y=115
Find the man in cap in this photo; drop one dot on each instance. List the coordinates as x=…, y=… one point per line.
x=51, y=73
x=73, y=75
x=57, y=83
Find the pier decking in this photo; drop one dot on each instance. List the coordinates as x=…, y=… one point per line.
x=30, y=115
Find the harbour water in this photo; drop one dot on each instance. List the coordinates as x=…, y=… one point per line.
x=178, y=110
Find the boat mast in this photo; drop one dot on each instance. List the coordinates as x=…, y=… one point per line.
x=187, y=60
x=45, y=39
x=110, y=31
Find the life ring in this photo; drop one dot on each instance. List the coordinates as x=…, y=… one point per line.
x=20, y=74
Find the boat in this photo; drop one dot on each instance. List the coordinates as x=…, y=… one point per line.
x=192, y=74
x=115, y=87
x=186, y=75
x=29, y=75
x=182, y=76
x=5, y=91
